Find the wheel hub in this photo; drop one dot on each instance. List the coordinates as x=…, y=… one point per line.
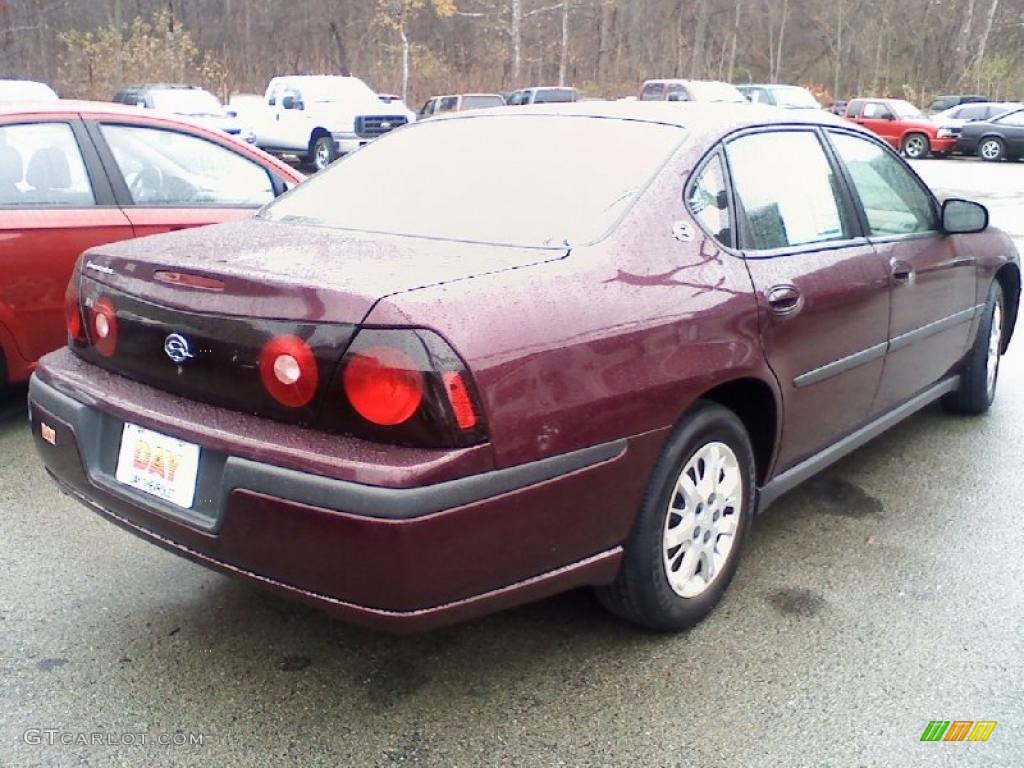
x=702, y=519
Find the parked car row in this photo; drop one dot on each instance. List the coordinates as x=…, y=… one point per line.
x=994, y=131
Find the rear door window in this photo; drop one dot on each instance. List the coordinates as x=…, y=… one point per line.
x=787, y=190
x=41, y=166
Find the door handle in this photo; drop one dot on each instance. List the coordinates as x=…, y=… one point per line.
x=902, y=272
x=785, y=299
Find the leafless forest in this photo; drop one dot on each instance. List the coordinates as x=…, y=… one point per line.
x=910, y=48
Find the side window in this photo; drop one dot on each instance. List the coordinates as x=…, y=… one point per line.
x=855, y=109
x=41, y=166
x=973, y=113
x=875, y=111
x=676, y=92
x=164, y=167
x=653, y=92
x=893, y=200
x=1014, y=118
x=708, y=200
x=272, y=97
x=448, y=104
x=787, y=190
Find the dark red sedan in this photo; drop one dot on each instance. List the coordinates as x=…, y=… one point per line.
x=78, y=174
x=414, y=390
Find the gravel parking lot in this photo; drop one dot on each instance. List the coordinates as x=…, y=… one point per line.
x=880, y=596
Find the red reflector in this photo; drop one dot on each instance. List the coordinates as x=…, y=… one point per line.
x=192, y=281
x=72, y=312
x=288, y=370
x=458, y=396
x=103, y=326
x=383, y=385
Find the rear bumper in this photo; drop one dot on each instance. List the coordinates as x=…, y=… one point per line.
x=390, y=558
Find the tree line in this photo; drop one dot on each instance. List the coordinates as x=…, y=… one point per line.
x=840, y=48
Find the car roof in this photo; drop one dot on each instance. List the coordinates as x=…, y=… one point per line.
x=698, y=117
x=69, y=105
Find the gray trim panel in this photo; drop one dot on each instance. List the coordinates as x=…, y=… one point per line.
x=841, y=366
x=815, y=464
x=894, y=344
x=905, y=339
x=98, y=436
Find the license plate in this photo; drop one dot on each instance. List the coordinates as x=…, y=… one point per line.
x=162, y=466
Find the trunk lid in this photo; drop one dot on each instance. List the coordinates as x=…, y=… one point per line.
x=285, y=270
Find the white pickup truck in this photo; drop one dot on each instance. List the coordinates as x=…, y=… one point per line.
x=318, y=118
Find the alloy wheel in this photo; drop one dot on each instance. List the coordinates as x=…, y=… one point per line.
x=323, y=156
x=991, y=150
x=916, y=147
x=995, y=338
x=702, y=519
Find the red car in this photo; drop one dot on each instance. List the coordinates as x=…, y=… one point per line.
x=415, y=403
x=902, y=125
x=77, y=174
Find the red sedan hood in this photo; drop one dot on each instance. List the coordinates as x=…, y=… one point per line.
x=262, y=269
x=924, y=124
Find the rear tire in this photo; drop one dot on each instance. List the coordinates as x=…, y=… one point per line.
x=916, y=146
x=992, y=150
x=978, y=380
x=687, y=538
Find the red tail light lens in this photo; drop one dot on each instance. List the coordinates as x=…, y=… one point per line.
x=103, y=326
x=289, y=371
x=407, y=386
x=73, y=312
x=384, y=385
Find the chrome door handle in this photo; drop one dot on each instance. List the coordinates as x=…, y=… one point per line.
x=902, y=272
x=785, y=299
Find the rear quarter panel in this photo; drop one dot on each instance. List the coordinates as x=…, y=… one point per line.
x=617, y=339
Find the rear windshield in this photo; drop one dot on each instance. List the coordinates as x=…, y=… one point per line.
x=708, y=91
x=554, y=95
x=450, y=179
x=795, y=98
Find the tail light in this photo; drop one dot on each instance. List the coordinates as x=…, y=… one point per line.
x=383, y=385
x=289, y=371
x=103, y=326
x=73, y=312
x=404, y=386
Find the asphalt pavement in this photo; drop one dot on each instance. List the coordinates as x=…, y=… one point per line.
x=874, y=599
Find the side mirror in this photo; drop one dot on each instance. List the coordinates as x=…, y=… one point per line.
x=963, y=217
x=231, y=112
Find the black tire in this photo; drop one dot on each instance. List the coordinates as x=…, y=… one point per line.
x=976, y=394
x=916, y=146
x=991, y=149
x=322, y=152
x=642, y=592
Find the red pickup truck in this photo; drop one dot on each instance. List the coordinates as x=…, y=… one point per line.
x=901, y=124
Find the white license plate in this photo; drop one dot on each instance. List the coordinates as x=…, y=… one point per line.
x=159, y=465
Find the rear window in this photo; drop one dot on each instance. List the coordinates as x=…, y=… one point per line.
x=445, y=179
x=479, y=102
x=554, y=95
